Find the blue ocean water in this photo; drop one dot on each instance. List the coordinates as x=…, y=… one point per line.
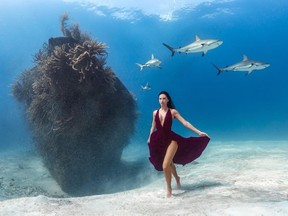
x=231, y=106
x=245, y=115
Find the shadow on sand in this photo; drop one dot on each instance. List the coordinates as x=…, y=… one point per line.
x=188, y=188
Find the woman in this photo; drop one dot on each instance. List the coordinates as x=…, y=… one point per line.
x=167, y=147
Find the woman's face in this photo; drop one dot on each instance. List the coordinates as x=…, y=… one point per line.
x=163, y=100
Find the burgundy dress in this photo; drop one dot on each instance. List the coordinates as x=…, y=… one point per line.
x=188, y=148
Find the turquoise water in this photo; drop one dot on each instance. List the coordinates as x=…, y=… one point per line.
x=233, y=107
x=230, y=106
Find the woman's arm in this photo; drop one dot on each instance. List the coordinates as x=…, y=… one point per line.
x=187, y=124
x=153, y=126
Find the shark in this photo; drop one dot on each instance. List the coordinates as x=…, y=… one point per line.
x=245, y=65
x=199, y=45
x=146, y=87
x=153, y=62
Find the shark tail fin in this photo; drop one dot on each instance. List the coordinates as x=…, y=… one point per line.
x=141, y=66
x=219, y=69
x=170, y=48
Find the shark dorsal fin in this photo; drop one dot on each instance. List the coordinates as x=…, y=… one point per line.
x=197, y=38
x=152, y=56
x=245, y=58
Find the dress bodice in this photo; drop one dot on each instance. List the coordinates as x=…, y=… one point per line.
x=167, y=122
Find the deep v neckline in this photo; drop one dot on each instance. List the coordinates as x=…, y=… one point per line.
x=164, y=118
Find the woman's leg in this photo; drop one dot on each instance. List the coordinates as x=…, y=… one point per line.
x=174, y=173
x=171, y=150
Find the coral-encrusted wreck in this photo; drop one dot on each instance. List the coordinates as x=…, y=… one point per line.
x=80, y=114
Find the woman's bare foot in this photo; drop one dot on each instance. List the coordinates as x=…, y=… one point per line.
x=169, y=193
x=178, y=182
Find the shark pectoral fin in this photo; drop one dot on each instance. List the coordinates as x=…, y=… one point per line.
x=204, y=52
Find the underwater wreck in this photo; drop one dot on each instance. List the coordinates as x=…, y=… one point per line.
x=80, y=114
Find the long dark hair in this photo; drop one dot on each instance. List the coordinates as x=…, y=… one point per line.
x=170, y=103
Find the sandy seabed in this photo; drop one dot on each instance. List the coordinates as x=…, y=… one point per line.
x=235, y=178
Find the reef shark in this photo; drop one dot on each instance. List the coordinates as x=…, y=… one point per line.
x=244, y=65
x=198, y=45
x=146, y=87
x=153, y=62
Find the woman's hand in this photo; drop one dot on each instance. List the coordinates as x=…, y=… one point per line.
x=203, y=134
